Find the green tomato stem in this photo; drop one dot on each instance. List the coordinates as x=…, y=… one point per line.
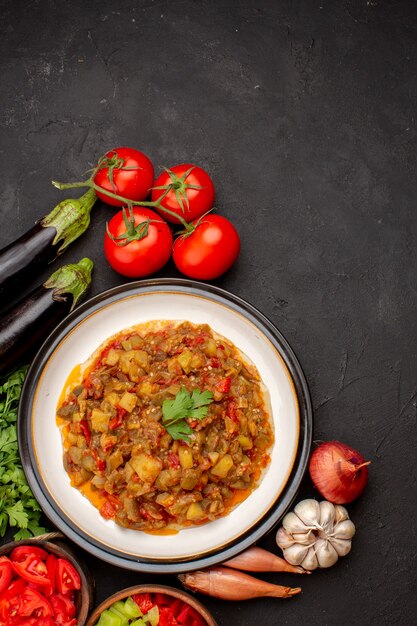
x=155, y=205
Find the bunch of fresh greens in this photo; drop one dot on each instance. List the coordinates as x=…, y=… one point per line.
x=18, y=507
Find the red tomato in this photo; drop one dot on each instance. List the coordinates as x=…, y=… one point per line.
x=33, y=570
x=141, y=255
x=67, y=577
x=6, y=573
x=34, y=604
x=20, y=553
x=14, y=589
x=125, y=172
x=51, y=573
x=191, y=192
x=209, y=250
x=63, y=609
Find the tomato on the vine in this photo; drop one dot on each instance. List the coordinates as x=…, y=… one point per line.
x=186, y=190
x=138, y=242
x=209, y=250
x=124, y=172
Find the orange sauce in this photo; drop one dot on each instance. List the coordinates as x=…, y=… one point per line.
x=238, y=496
x=162, y=531
x=96, y=497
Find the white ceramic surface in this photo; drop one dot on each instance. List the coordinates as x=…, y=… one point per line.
x=83, y=340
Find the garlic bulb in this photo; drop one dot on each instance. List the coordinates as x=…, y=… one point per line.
x=315, y=534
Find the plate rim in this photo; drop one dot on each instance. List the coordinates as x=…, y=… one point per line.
x=236, y=303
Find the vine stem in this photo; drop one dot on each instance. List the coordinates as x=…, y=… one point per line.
x=156, y=204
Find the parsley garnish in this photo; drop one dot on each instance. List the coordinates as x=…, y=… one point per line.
x=18, y=507
x=184, y=405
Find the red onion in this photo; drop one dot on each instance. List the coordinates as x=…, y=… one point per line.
x=338, y=472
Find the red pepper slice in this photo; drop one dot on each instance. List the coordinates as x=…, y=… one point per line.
x=21, y=553
x=231, y=411
x=166, y=617
x=101, y=464
x=67, y=577
x=224, y=384
x=176, y=607
x=6, y=573
x=107, y=510
x=174, y=460
x=117, y=421
x=85, y=429
x=189, y=617
x=34, y=604
x=162, y=599
x=144, y=601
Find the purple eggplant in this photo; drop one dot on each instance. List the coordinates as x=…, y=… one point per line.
x=25, y=326
x=20, y=260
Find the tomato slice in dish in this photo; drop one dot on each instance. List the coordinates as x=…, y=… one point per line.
x=33, y=570
x=63, y=607
x=21, y=553
x=51, y=573
x=14, y=589
x=34, y=604
x=67, y=577
x=6, y=573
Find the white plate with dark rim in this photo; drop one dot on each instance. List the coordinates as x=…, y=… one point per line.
x=77, y=337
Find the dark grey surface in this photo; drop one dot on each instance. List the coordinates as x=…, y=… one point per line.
x=303, y=112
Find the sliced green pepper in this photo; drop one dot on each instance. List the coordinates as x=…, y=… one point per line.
x=109, y=619
x=131, y=609
x=152, y=616
x=124, y=620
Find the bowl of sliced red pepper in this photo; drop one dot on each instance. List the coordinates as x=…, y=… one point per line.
x=43, y=583
x=151, y=605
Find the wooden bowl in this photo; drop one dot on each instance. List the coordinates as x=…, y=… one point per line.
x=169, y=591
x=54, y=543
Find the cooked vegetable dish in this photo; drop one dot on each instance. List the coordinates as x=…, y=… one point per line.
x=166, y=428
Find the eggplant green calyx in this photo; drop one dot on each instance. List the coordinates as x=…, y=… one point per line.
x=73, y=279
x=133, y=232
x=70, y=218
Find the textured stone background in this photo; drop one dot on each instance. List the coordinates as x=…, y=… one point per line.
x=303, y=111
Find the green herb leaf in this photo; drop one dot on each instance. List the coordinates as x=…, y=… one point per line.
x=185, y=405
x=180, y=430
x=201, y=398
